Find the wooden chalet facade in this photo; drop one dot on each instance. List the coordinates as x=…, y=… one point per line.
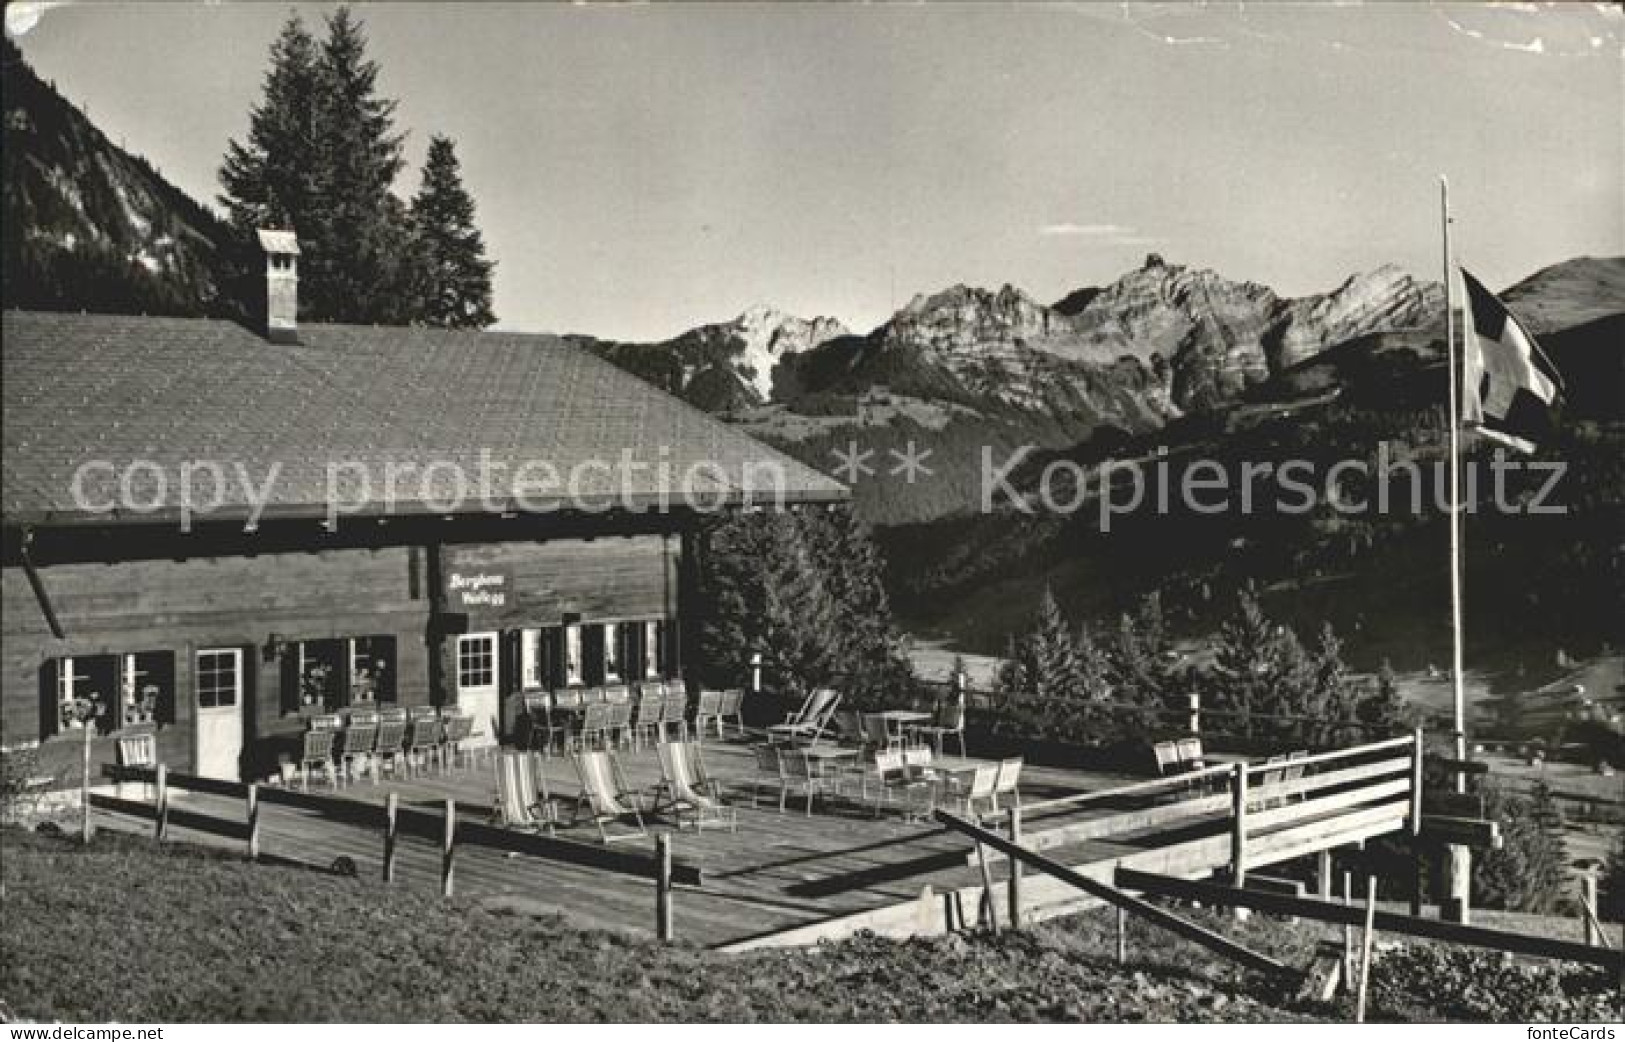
x=223, y=632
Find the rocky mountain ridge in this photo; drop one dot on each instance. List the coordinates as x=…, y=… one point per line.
x=91, y=226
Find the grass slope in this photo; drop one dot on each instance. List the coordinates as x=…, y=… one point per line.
x=128, y=931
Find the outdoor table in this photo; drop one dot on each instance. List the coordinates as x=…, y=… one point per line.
x=954, y=765
x=898, y=719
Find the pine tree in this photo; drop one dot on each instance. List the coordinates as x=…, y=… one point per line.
x=272, y=179
x=452, y=277
x=356, y=269
x=1382, y=707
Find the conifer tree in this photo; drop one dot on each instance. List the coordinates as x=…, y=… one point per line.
x=452, y=277
x=358, y=269
x=271, y=179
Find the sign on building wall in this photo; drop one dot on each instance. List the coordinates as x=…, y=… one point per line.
x=479, y=592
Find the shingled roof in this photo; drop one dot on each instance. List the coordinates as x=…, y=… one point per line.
x=350, y=400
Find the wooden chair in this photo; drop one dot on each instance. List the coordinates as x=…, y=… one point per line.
x=949, y=719
x=651, y=706
x=423, y=738
x=687, y=800
x=360, y=738
x=809, y=725
x=732, y=708
x=877, y=737
x=389, y=747
x=1008, y=781
x=536, y=730
x=846, y=727
x=895, y=779
x=982, y=789
x=796, y=771
x=594, y=726
x=456, y=730
x=318, y=753
x=674, y=711
x=620, y=722
x=769, y=771
x=707, y=712
x=606, y=795
x=1190, y=754
x=522, y=799
x=1167, y=754
x=138, y=750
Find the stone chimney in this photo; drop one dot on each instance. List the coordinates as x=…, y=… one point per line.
x=281, y=285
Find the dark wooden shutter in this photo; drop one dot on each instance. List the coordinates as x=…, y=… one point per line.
x=592, y=655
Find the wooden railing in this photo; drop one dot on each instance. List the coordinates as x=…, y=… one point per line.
x=1269, y=816
x=393, y=821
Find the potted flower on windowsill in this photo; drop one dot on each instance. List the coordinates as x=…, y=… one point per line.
x=313, y=689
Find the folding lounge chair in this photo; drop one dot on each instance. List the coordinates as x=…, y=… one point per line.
x=816, y=715
x=605, y=794
x=688, y=801
x=522, y=800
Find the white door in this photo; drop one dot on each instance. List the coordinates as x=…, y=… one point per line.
x=479, y=684
x=218, y=678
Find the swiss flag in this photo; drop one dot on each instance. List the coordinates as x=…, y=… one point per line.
x=1508, y=385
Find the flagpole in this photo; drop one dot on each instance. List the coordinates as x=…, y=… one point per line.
x=1460, y=857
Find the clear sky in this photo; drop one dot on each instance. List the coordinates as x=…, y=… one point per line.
x=643, y=169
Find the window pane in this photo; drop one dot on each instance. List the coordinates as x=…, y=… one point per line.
x=216, y=679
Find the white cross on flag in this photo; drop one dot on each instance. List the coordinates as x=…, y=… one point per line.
x=1508, y=383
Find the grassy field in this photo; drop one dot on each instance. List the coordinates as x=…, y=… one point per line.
x=124, y=930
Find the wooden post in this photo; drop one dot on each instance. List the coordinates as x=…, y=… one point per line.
x=1416, y=825
x=1122, y=936
x=756, y=673
x=160, y=820
x=448, y=848
x=1348, y=932
x=1195, y=721
x=987, y=889
x=1323, y=874
x=1238, y=827
x=391, y=802
x=253, y=822
x=1365, y=947
x=664, y=928
x=1588, y=901
x=1015, y=871
x=84, y=787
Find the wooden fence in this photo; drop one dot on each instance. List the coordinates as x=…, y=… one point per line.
x=393, y=821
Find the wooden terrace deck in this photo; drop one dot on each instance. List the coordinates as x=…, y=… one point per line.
x=789, y=878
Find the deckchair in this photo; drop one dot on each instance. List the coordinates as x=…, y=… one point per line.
x=809, y=725
x=522, y=800
x=605, y=794
x=688, y=801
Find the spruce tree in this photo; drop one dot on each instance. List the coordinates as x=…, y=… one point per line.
x=452, y=277
x=271, y=179
x=357, y=270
